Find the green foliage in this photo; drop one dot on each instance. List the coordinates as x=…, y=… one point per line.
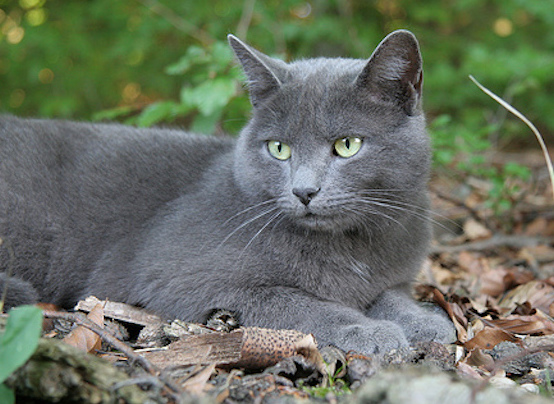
x=336, y=386
x=17, y=343
x=467, y=153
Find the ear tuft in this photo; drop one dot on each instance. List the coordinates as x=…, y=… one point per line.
x=264, y=73
x=394, y=71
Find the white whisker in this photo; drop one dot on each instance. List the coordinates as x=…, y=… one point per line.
x=259, y=232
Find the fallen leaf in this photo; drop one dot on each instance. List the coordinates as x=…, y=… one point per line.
x=466, y=370
x=488, y=338
x=475, y=230
x=196, y=384
x=478, y=358
x=493, y=281
x=539, y=294
x=85, y=339
x=535, y=324
x=537, y=227
x=470, y=262
x=454, y=312
x=120, y=311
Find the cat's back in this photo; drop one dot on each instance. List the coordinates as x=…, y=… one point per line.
x=104, y=171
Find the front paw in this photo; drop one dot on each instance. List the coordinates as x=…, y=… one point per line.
x=377, y=336
x=429, y=326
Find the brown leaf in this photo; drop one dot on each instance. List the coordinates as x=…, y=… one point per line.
x=120, y=311
x=470, y=262
x=475, y=230
x=454, y=312
x=488, y=338
x=466, y=370
x=480, y=359
x=83, y=338
x=538, y=293
x=197, y=383
x=493, y=281
x=534, y=324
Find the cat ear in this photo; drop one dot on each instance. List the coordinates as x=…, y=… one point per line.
x=394, y=71
x=264, y=74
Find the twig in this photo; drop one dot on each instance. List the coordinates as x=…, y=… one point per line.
x=80, y=319
x=177, y=21
x=493, y=242
x=461, y=204
x=245, y=18
x=527, y=122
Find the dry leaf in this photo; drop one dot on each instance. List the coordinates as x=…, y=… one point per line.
x=493, y=281
x=454, y=312
x=535, y=324
x=475, y=230
x=538, y=293
x=480, y=359
x=85, y=339
x=488, y=338
x=120, y=311
x=196, y=384
x=470, y=262
x=466, y=370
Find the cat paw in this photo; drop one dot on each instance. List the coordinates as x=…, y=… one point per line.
x=430, y=327
x=377, y=337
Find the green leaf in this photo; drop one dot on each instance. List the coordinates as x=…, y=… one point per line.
x=111, y=114
x=20, y=339
x=210, y=96
x=155, y=113
x=206, y=123
x=6, y=395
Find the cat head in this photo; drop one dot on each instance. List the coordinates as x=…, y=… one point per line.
x=335, y=143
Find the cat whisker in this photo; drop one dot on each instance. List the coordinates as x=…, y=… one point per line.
x=248, y=209
x=371, y=193
x=246, y=223
x=242, y=212
x=368, y=215
x=414, y=210
x=259, y=232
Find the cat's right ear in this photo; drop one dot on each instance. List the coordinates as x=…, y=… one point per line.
x=265, y=75
x=394, y=72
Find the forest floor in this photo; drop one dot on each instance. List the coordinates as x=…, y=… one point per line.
x=493, y=273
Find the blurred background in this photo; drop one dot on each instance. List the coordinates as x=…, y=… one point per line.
x=167, y=62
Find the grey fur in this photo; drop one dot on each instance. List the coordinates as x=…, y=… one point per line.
x=185, y=224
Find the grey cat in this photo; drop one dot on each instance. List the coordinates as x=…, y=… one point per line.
x=315, y=219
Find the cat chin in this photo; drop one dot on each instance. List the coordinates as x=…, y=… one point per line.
x=322, y=224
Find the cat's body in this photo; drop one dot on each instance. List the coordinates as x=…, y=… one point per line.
x=276, y=227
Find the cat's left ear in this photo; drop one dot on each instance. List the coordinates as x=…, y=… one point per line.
x=394, y=72
x=265, y=74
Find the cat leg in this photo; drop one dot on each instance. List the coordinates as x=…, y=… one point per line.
x=18, y=292
x=419, y=323
x=330, y=322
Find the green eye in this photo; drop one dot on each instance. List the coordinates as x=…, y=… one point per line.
x=348, y=146
x=279, y=150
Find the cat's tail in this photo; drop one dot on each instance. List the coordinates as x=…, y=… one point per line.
x=16, y=292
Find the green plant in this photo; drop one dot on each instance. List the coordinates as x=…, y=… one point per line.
x=334, y=385
x=211, y=94
x=467, y=151
x=17, y=344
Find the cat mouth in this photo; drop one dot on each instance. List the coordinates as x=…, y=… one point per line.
x=315, y=221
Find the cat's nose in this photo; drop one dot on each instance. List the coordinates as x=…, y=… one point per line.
x=305, y=194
